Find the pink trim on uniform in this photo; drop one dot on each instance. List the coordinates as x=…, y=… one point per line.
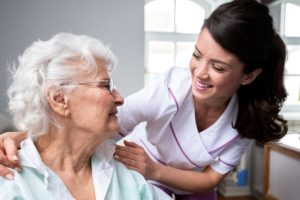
x=167, y=191
x=222, y=161
x=173, y=96
x=181, y=149
x=122, y=134
x=204, y=196
x=212, y=195
x=158, y=160
x=226, y=144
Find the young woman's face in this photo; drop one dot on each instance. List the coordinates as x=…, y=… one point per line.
x=216, y=73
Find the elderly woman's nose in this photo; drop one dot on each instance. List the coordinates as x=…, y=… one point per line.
x=117, y=98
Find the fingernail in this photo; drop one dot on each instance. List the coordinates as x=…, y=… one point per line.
x=17, y=169
x=14, y=157
x=9, y=177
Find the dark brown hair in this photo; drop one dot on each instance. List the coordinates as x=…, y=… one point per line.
x=245, y=28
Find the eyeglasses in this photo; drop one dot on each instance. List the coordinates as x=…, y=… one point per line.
x=108, y=84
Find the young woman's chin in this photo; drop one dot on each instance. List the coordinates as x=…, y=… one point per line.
x=201, y=92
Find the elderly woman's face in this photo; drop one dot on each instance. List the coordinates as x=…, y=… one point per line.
x=93, y=108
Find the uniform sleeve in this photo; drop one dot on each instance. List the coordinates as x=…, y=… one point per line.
x=231, y=156
x=151, y=103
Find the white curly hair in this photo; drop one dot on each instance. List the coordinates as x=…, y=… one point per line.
x=45, y=64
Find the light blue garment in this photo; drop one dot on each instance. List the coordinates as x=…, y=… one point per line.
x=112, y=180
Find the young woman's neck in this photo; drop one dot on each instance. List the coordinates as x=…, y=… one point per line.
x=207, y=114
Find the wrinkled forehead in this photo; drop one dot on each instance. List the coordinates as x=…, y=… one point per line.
x=88, y=69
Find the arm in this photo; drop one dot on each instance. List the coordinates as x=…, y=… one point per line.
x=151, y=103
x=9, y=142
x=190, y=181
x=135, y=158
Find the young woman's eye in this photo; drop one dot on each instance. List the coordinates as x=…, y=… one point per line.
x=218, y=68
x=197, y=56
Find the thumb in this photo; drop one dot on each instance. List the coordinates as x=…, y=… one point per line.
x=131, y=144
x=10, y=150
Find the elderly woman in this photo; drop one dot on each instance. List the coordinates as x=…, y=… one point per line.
x=63, y=97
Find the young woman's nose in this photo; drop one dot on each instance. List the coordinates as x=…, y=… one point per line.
x=202, y=70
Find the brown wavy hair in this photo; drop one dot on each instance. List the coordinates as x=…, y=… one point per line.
x=245, y=28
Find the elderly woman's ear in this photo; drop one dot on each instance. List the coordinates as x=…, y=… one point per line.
x=57, y=101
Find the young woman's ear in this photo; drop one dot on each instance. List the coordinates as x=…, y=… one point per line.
x=251, y=76
x=57, y=101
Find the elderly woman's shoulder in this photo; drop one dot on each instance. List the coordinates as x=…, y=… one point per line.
x=21, y=187
x=7, y=185
x=129, y=183
x=135, y=186
x=105, y=150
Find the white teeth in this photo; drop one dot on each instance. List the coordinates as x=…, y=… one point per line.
x=202, y=85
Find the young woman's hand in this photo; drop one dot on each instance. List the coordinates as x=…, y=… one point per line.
x=134, y=157
x=9, y=143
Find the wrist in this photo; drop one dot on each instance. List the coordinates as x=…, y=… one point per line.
x=157, y=172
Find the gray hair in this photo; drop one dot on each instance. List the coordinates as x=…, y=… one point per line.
x=45, y=64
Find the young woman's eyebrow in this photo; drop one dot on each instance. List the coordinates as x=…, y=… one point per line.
x=196, y=48
x=214, y=60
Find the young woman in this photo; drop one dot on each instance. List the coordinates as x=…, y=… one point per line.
x=200, y=121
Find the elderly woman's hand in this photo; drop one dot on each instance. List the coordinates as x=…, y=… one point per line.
x=8, y=154
x=134, y=157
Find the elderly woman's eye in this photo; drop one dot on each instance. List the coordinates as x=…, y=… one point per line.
x=106, y=86
x=103, y=85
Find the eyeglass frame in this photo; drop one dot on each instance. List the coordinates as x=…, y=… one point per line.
x=110, y=84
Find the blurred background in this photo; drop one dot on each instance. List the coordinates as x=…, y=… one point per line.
x=148, y=37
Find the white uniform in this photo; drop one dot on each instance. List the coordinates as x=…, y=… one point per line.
x=170, y=134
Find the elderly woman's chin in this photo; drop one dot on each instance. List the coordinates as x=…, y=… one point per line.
x=113, y=124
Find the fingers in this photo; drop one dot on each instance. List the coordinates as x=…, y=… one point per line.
x=133, y=164
x=131, y=147
x=4, y=160
x=131, y=152
x=8, y=158
x=132, y=156
x=6, y=173
x=11, y=150
x=126, y=161
x=134, y=169
x=132, y=144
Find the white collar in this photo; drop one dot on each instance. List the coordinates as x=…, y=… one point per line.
x=30, y=157
x=102, y=166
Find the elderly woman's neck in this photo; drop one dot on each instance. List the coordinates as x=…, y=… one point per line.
x=66, y=150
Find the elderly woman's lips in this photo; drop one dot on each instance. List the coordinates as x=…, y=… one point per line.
x=113, y=113
x=113, y=117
